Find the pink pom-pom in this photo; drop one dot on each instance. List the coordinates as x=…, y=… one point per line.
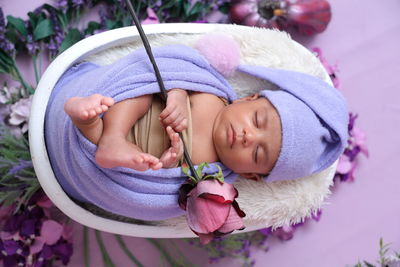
x=221, y=51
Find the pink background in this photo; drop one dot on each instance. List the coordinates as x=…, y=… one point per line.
x=362, y=39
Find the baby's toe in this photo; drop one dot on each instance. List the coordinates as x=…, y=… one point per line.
x=98, y=110
x=84, y=115
x=108, y=101
x=92, y=113
x=104, y=108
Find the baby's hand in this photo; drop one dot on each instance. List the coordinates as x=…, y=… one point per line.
x=171, y=156
x=175, y=114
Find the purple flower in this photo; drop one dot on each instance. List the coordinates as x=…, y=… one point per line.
x=30, y=238
x=22, y=164
x=331, y=69
x=356, y=145
x=151, y=17
x=32, y=46
x=63, y=5
x=78, y=3
x=284, y=232
x=2, y=21
x=64, y=251
x=266, y=231
x=317, y=216
x=11, y=246
x=28, y=228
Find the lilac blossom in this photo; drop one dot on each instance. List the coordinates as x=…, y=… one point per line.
x=32, y=46
x=63, y=5
x=57, y=38
x=5, y=44
x=2, y=21
x=78, y=3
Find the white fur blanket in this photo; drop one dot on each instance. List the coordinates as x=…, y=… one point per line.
x=266, y=204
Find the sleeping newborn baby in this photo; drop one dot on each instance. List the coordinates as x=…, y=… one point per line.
x=244, y=135
x=292, y=132
x=113, y=144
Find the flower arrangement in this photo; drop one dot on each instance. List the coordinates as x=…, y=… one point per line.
x=32, y=231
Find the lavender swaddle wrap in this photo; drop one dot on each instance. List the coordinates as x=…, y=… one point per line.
x=149, y=195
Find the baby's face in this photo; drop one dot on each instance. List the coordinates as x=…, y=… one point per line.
x=247, y=135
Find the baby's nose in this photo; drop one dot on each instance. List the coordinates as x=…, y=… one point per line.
x=247, y=138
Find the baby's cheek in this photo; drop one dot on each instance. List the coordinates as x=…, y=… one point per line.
x=238, y=162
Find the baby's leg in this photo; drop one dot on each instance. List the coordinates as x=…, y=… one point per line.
x=114, y=149
x=84, y=113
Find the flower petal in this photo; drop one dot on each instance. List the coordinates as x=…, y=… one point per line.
x=205, y=238
x=151, y=17
x=51, y=231
x=233, y=222
x=37, y=246
x=205, y=216
x=344, y=165
x=225, y=190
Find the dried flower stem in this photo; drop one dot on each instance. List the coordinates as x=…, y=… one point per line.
x=164, y=94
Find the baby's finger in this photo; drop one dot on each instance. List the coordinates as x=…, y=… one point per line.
x=170, y=132
x=171, y=117
x=182, y=125
x=168, y=109
x=177, y=123
x=176, y=143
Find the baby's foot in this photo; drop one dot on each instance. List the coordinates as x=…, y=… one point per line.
x=120, y=152
x=85, y=110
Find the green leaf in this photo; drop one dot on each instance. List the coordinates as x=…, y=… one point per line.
x=43, y=30
x=199, y=170
x=126, y=21
x=197, y=8
x=18, y=24
x=6, y=62
x=110, y=24
x=220, y=176
x=185, y=170
x=33, y=19
x=92, y=26
x=72, y=37
x=224, y=8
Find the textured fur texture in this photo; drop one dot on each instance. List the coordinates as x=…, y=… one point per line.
x=266, y=204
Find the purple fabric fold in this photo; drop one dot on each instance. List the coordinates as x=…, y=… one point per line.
x=149, y=195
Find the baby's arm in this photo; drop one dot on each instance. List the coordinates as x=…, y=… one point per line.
x=175, y=113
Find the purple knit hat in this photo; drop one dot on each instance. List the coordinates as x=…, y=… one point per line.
x=314, y=120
